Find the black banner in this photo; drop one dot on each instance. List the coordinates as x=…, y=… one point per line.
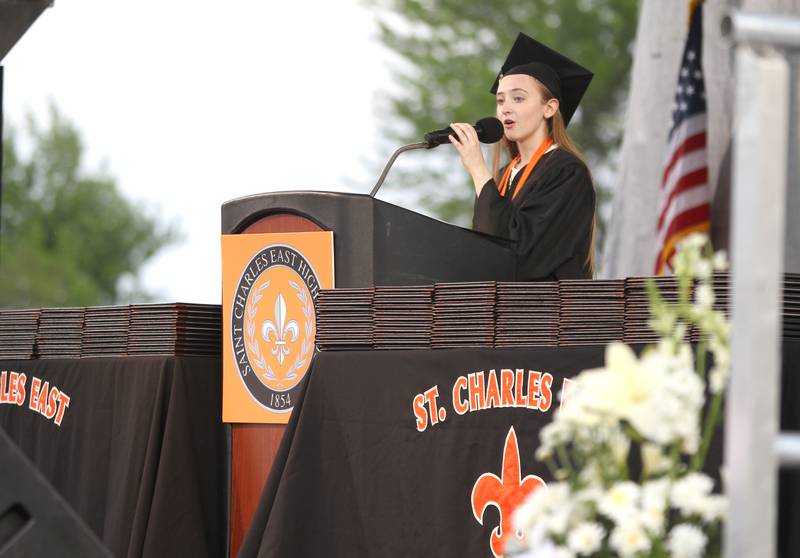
x=412, y=453
x=135, y=445
x=387, y=448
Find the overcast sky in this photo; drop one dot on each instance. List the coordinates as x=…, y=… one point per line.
x=195, y=103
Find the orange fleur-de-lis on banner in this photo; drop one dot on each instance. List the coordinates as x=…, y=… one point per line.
x=504, y=493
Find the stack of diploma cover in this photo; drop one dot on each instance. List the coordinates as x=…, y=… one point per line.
x=463, y=314
x=527, y=315
x=504, y=315
x=60, y=333
x=791, y=306
x=18, y=334
x=344, y=319
x=637, y=310
x=105, y=331
x=592, y=312
x=403, y=317
x=177, y=329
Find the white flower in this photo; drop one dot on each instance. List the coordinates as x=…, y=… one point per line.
x=621, y=501
x=526, y=514
x=684, y=357
x=606, y=390
x=549, y=509
x=686, y=541
x=536, y=539
x=656, y=493
x=688, y=493
x=703, y=269
x=654, y=460
x=669, y=400
x=579, y=415
x=543, y=453
x=722, y=354
x=718, y=378
x=586, y=538
x=713, y=508
x=704, y=296
x=660, y=396
x=721, y=260
x=547, y=550
x=629, y=539
x=688, y=255
x=619, y=444
x=591, y=494
x=693, y=241
x=720, y=373
x=592, y=475
x=680, y=331
x=557, y=521
x=554, y=433
x=653, y=519
x=557, y=494
x=654, y=503
x=533, y=508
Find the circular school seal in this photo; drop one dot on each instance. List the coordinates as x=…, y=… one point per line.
x=273, y=325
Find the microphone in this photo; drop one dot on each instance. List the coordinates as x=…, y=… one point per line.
x=489, y=129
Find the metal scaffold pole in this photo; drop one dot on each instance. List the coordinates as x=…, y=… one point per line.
x=754, y=446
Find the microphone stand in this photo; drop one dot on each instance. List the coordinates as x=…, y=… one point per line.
x=409, y=147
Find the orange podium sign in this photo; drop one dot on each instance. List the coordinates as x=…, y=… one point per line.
x=269, y=285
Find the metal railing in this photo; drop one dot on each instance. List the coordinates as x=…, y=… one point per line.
x=754, y=446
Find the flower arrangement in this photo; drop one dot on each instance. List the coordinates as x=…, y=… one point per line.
x=655, y=405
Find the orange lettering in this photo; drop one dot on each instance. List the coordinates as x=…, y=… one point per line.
x=547, y=394
x=12, y=388
x=63, y=403
x=36, y=384
x=419, y=412
x=520, y=397
x=52, y=403
x=507, y=381
x=476, y=391
x=492, y=391
x=460, y=405
x=533, y=388
x=21, y=389
x=432, y=395
x=41, y=402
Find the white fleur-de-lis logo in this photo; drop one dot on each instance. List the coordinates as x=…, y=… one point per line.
x=280, y=330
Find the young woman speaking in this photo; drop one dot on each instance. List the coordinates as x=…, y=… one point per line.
x=543, y=198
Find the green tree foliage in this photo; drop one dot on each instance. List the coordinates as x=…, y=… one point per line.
x=68, y=238
x=449, y=53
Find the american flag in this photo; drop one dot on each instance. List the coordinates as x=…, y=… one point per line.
x=684, y=200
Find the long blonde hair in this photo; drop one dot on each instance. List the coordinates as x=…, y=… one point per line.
x=558, y=132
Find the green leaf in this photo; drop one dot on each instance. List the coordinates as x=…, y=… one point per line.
x=69, y=237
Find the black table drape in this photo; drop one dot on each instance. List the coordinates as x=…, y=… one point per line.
x=355, y=477
x=139, y=453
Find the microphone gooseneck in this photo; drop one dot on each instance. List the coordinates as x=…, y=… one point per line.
x=390, y=162
x=489, y=130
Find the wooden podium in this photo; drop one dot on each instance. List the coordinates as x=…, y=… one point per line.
x=375, y=243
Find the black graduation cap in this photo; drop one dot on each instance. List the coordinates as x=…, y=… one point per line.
x=563, y=77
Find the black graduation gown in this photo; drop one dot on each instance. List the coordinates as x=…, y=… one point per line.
x=550, y=218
